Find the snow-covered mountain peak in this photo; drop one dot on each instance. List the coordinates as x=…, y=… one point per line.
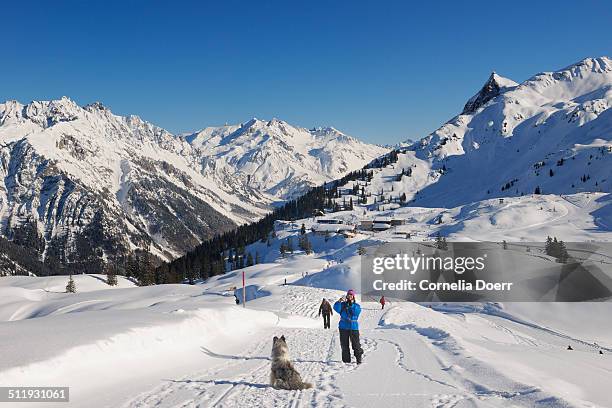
x=42, y=113
x=574, y=81
x=275, y=128
x=276, y=122
x=326, y=129
x=598, y=65
x=46, y=114
x=329, y=132
x=501, y=81
x=278, y=158
x=96, y=106
x=251, y=122
x=551, y=133
x=10, y=109
x=495, y=85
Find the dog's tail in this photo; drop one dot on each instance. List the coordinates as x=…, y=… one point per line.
x=306, y=385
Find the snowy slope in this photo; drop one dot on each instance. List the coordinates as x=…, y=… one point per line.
x=80, y=183
x=279, y=159
x=182, y=345
x=554, y=131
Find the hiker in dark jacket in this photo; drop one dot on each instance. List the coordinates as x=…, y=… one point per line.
x=349, y=310
x=326, y=310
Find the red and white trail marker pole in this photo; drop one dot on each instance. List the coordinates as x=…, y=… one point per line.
x=243, y=291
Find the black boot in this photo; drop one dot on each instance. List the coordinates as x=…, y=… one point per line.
x=359, y=356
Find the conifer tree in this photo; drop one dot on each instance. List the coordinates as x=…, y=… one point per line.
x=548, y=245
x=111, y=275
x=191, y=276
x=563, y=254
x=71, y=286
x=147, y=270
x=132, y=266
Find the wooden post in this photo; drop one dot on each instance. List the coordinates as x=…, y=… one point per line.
x=243, y=291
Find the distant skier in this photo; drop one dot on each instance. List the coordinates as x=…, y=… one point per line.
x=349, y=311
x=236, y=299
x=326, y=310
x=382, y=302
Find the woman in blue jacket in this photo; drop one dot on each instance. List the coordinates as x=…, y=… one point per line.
x=349, y=311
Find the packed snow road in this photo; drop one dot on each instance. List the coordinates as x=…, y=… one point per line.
x=191, y=346
x=404, y=365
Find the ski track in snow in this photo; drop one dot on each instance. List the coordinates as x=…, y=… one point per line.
x=401, y=365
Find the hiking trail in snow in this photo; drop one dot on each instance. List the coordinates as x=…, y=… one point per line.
x=403, y=365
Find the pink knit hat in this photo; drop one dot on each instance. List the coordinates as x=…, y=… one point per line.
x=350, y=292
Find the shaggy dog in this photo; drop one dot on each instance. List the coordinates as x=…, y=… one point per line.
x=284, y=375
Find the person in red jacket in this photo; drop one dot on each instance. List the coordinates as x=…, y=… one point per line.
x=382, y=302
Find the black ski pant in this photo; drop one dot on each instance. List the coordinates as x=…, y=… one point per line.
x=353, y=337
x=326, y=320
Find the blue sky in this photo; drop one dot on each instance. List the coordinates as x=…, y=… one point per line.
x=381, y=71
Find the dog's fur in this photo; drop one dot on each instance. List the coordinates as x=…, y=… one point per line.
x=284, y=376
